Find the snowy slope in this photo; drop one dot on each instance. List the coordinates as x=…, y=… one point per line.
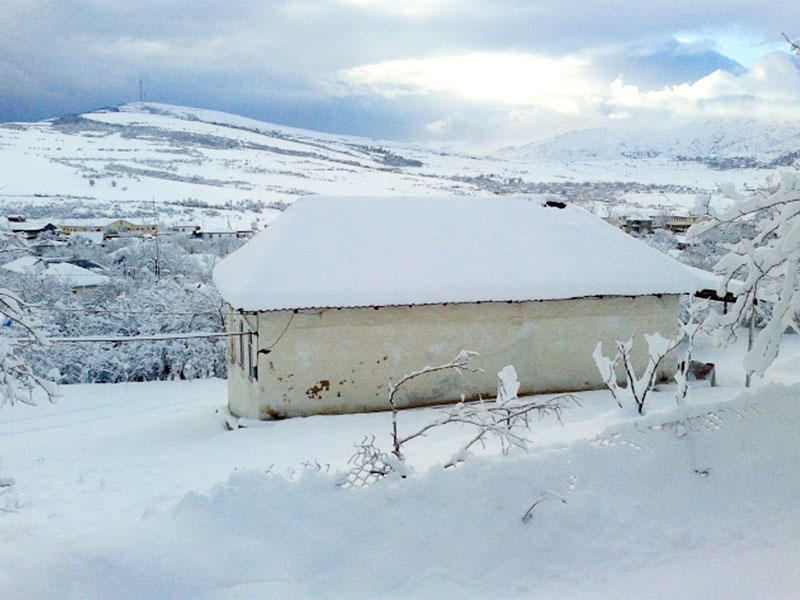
x=126, y=159
x=137, y=491
x=753, y=142
x=226, y=172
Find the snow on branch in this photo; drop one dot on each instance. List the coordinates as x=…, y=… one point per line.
x=761, y=270
x=637, y=386
x=507, y=419
x=460, y=364
x=17, y=377
x=687, y=334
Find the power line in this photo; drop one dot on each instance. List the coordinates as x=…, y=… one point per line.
x=133, y=312
x=164, y=337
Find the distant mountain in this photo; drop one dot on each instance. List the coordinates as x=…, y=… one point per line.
x=670, y=63
x=734, y=143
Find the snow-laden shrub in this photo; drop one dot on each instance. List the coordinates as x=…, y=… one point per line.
x=761, y=269
x=637, y=386
x=506, y=419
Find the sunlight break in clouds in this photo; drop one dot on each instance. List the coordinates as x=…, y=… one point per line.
x=533, y=95
x=407, y=8
x=514, y=79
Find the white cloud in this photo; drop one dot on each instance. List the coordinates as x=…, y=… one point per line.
x=512, y=79
x=399, y=68
x=770, y=89
x=525, y=96
x=406, y=8
x=440, y=127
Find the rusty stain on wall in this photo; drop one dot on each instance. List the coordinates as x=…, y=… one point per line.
x=315, y=391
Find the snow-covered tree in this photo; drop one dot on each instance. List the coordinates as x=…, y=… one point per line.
x=134, y=303
x=762, y=270
x=18, y=379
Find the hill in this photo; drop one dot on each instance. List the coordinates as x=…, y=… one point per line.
x=185, y=165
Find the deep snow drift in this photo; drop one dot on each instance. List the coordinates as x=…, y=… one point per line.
x=136, y=490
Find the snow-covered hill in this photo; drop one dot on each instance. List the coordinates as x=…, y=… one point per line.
x=118, y=160
x=220, y=170
x=722, y=144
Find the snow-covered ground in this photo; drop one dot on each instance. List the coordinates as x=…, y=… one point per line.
x=138, y=491
x=147, y=161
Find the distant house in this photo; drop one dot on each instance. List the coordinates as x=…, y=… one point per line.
x=83, y=263
x=96, y=230
x=638, y=224
x=187, y=229
x=47, y=246
x=81, y=228
x=32, y=230
x=343, y=295
x=123, y=227
x=681, y=223
x=64, y=272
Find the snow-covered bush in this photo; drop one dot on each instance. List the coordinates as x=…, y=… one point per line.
x=506, y=419
x=689, y=328
x=763, y=266
x=636, y=386
x=18, y=377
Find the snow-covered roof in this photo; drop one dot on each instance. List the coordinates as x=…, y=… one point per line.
x=368, y=251
x=24, y=264
x=67, y=273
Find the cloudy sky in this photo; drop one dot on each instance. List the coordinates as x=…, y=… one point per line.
x=481, y=72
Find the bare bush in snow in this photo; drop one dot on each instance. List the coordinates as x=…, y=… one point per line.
x=459, y=364
x=506, y=419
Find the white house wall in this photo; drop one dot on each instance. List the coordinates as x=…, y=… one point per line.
x=340, y=360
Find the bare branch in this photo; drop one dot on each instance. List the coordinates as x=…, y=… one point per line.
x=542, y=497
x=506, y=419
x=794, y=45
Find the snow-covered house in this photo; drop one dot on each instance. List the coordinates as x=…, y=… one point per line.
x=32, y=230
x=64, y=272
x=340, y=296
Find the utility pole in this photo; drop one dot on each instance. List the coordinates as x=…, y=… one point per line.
x=156, y=262
x=141, y=92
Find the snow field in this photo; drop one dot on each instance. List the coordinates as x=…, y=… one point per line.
x=136, y=490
